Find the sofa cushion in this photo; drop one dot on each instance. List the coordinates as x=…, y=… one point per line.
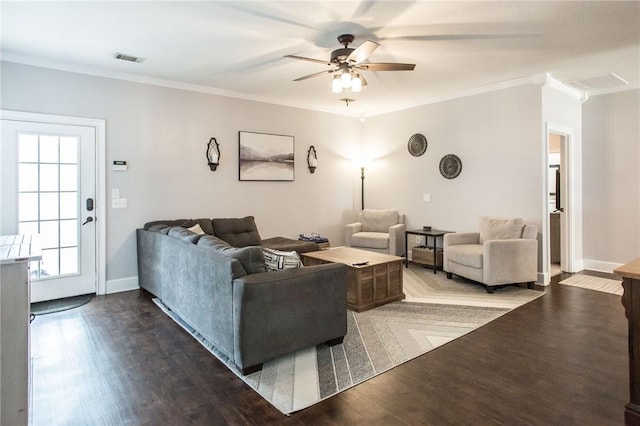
x=466, y=254
x=239, y=232
x=287, y=244
x=500, y=229
x=170, y=223
x=377, y=240
x=205, y=224
x=276, y=260
x=250, y=257
x=184, y=234
x=378, y=220
x=161, y=228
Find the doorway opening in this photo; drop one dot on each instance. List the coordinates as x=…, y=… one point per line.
x=558, y=229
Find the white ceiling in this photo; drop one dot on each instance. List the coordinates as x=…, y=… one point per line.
x=236, y=48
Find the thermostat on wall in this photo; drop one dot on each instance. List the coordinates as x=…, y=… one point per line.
x=119, y=166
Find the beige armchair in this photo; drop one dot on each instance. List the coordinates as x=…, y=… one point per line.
x=505, y=251
x=377, y=230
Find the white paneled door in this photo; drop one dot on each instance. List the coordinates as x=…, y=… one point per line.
x=48, y=188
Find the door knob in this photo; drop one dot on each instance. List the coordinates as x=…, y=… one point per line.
x=89, y=219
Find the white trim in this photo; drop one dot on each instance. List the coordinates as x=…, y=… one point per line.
x=122, y=284
x=101, y=211
x=569, y=260
x=571, y=91
x=543, y=278
x=599, y=266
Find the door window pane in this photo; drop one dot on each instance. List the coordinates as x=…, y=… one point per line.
x=49, y=234
x=48, y=206
x=48, y=177
x=48, y=149
x=68, y=233
x=68, y=205
x=69, y=260
x=28, y=228
x=27, y=177
x=69, y=150
x=50, y=263
x=68, y=177
x=27, y=206
x=27, y=148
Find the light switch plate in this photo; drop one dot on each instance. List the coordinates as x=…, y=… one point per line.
x=120, y=203
x=426, y=198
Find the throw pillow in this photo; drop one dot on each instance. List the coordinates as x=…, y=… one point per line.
x=276, y=260
x=378, y=220
x=500, y=229
x=196, y=229
x=251, y=257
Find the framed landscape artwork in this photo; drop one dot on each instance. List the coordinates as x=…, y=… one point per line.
x=266, y=157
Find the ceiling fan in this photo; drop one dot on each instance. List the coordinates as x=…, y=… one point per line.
x=348, y=63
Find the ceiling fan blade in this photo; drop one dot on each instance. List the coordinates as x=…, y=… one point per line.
x=362, y=52
x=315, y=74
x=302, y=58
x=381, y=66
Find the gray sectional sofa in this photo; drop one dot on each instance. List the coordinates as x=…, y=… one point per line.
x=224, y=293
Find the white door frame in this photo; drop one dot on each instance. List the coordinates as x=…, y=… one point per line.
x=101, y=210
x=568, y=221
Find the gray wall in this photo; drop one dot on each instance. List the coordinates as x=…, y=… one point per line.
x=611, y=179
x=162, y=134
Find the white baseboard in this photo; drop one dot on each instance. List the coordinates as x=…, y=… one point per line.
x=543, y=279
x=122, y=284
x=596, y=265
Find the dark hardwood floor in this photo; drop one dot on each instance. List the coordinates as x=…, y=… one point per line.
x=559, y=360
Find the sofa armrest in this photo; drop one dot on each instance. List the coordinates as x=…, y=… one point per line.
x=396, y=239
x=275, y=313
x=510, y=261
x=349, y=230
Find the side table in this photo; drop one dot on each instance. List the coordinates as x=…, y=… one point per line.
x=434, y=234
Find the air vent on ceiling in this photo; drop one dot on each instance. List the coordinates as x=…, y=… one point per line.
x=129, y=58
x=599, y=83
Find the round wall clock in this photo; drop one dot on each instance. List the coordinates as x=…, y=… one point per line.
x=450, y=166
x=417, y=145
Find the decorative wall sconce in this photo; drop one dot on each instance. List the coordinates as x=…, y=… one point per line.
x=213, y=154
x=312, y=159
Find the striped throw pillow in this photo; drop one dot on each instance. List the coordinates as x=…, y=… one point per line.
x=276, y=260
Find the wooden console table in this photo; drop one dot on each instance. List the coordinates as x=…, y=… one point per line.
x=16, y=251
x=630, y=274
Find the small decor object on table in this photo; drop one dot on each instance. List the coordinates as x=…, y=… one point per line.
x=323, y=242
x=450, y=166
x=417, y=145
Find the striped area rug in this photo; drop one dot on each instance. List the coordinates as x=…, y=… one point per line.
x=605, y=285
x=377, y=340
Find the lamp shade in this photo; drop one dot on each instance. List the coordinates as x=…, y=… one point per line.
x=336, y=84
x=356, y=84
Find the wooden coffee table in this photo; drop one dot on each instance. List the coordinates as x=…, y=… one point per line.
x=374, y=283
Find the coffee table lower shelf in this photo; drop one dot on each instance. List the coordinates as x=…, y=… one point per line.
x=371, y=285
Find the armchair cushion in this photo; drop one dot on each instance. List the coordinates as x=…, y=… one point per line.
x=467, y=254
x=377, y=240
x=500, y=229
x=378, y=220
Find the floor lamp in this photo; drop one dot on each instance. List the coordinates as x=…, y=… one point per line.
x=362, y=186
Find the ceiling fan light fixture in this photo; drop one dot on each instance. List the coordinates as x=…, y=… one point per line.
x=346, y=79
x=336, y=84
x=356, y=83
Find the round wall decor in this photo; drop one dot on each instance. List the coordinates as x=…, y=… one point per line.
x=417, y=145
x=450, y=166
